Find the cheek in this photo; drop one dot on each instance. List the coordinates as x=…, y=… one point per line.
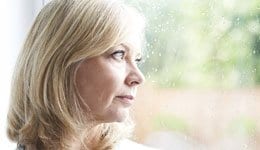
x=104, y=106
x=109, y=87
x=101, y=102
x=112, y=79
x=98, y=88
x=98, y=83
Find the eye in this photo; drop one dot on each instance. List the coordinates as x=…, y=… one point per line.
x=118, y=55
x=138, y=60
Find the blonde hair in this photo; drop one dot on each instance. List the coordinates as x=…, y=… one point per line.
x=45, y=110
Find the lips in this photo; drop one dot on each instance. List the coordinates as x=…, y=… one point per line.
x=130, y=97
x=126, y=99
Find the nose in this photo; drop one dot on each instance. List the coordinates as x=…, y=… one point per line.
x=135, y=77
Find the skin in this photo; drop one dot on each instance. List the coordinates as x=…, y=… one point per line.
x=108, y=83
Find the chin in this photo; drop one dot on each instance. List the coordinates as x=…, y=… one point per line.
x=121, y=119
x=118, y=116
x=123, y=114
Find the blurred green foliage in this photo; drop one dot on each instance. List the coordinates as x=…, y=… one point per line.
x=202, y=43
x=243, y=125
x=169, y=122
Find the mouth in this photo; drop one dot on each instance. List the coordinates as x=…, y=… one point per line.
x=127, y=100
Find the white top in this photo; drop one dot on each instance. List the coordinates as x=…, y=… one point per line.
x=131, y=145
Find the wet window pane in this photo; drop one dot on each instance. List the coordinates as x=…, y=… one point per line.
x=202, y=72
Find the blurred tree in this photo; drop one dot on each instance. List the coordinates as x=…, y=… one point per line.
x=202, y=43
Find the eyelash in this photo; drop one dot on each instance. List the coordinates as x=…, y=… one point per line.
x=121, y=54
x=138, y=60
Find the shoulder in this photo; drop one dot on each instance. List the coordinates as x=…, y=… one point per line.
x=127, y=144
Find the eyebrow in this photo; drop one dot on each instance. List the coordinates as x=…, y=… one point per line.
x=127, y=47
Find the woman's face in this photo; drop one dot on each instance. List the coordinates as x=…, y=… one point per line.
x=107, y=83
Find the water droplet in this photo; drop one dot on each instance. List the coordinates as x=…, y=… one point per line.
x=222, y=76
x=185, y=138
x=245, y=146
x=162, y=124
x=148, y=76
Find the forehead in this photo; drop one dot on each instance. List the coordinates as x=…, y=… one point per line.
x=132, y=35
x=133, y=42
x=132, y=49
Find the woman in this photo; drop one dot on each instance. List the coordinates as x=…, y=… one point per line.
x=76, y=77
